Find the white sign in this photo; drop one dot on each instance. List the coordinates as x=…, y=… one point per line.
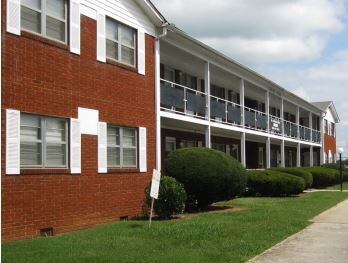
x=156, y=178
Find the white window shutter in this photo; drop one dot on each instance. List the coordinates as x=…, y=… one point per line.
x=75, y=26
x=75, y=146
x=102, y=147
x=13, y=13
x=12, y=142
x=141, y=52
x=142, y=150
x=101, y=42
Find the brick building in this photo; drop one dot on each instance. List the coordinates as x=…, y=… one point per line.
x=78, y=113
x=95, y=94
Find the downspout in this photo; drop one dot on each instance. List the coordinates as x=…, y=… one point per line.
x=158, y=94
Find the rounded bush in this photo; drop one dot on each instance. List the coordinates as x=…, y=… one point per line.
x=323, y=177
x=274, y=183
x=171, y=197
x=208, y=175
x=297, y=171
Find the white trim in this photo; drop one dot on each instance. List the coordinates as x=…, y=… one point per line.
x=13, y=17
x=12, y=141
x=102, y=147
x=75, y=26
x=158, y=103
x=142, y=150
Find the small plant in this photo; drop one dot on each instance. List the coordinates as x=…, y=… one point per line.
x=171, y=198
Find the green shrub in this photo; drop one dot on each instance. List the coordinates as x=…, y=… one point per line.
x=336, y=166
x=323, y=177
x=274, y=183
x=208, y=175
x=297, y=171
x=171, y=197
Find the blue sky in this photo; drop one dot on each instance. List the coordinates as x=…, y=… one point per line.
x=300, y=44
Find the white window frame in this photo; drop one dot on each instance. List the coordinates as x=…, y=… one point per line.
x=44, y=15
x=119, y=44
x=44, y=143
x=121, y=147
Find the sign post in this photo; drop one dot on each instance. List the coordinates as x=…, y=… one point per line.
x=156, y=178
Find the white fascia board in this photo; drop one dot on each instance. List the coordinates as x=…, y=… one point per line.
x=176, y=116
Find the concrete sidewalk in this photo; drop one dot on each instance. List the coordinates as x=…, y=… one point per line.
x=326, y=240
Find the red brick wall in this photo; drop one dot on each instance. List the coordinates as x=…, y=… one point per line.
x=329, y=144
x=42, y=78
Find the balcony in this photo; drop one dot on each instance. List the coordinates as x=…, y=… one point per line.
x=183, y=100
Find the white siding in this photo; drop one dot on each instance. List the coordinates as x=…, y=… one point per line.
x=329, y=116
x=125, y=11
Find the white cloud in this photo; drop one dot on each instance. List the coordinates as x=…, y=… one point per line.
x=325, y=81
x=259, y=31
x=256, y=50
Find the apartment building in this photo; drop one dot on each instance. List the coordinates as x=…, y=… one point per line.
x=95, y=94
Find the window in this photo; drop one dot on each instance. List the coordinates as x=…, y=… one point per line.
x=187, y=144
x=121, y=147
x=170, y=144
x=120, y=42
x=45, y=17
x=332, y=132
x=219, y=147
x=43, y=141
x=217, y=91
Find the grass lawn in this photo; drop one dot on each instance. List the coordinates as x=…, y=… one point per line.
x=208, y=237
x=338, y=186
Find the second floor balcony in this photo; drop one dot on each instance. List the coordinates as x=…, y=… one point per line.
x=187, y=101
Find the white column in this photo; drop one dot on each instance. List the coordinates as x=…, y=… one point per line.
x=310, y=125
x=298, y=159
x=242, y=149
x=311, y=156
x=298, y=121
x=267, y=108
x=207, y=115
x=321, y=125
x=268, y=152
x=208, y=137
x=158, y=104
x=241, y=98
x=207, y=88
x=282, y=115
x=282, y=153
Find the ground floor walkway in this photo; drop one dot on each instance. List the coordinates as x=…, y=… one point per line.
x=326, y=240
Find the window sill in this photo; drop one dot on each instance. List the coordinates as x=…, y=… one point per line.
x=46, y=171
x=119, y=64
x=44, y=40
x=123, y=170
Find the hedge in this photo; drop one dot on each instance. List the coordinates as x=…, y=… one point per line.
x=297, y=171
x=323, y=177
x=273, y=183
x=208, y=175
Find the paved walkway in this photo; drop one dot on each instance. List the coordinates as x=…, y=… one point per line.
x=326, y=240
